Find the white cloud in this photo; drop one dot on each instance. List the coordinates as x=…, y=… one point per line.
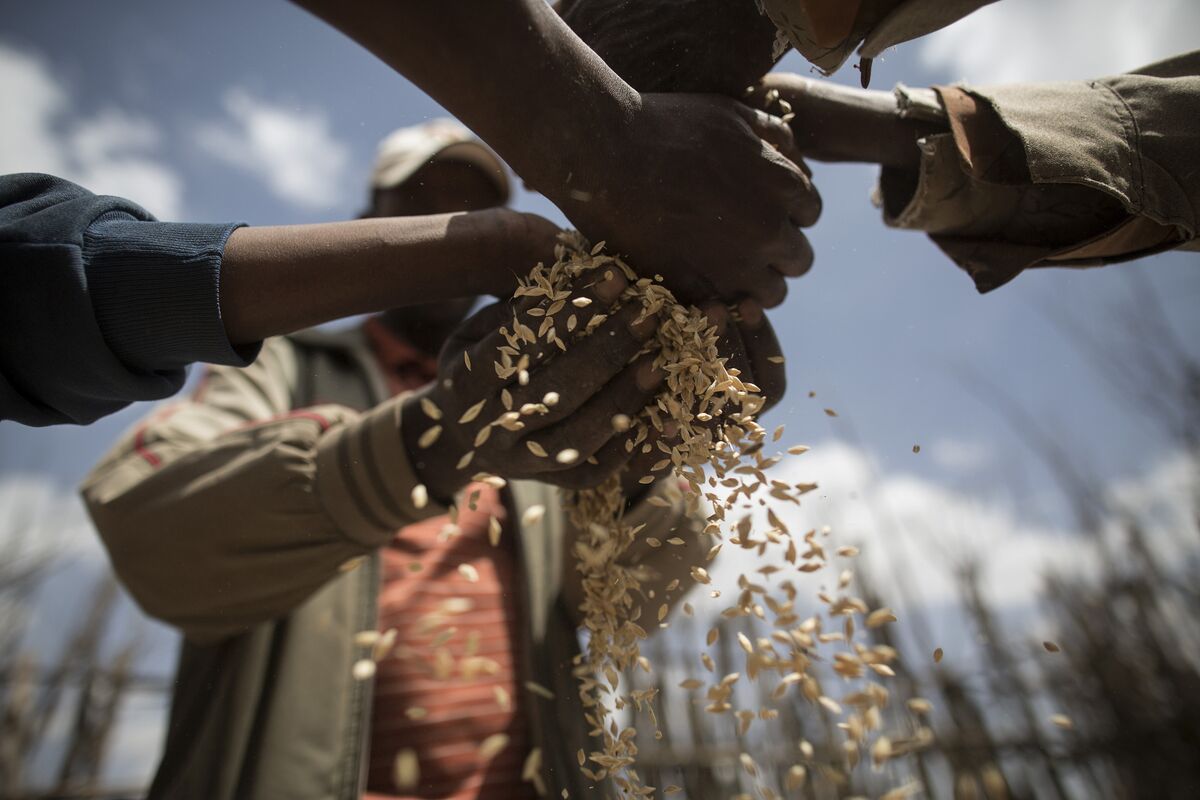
x=959, y=455
x=1023, y=40
x=293, y=152
x=921, y=531
x=110, y=152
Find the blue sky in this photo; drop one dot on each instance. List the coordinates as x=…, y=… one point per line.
x=258, y=112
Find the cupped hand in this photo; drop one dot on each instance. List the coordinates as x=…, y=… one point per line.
x=702, y=190
x=554, y=424
x=748, y=343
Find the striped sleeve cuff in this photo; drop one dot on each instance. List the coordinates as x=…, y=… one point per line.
x=365, y=479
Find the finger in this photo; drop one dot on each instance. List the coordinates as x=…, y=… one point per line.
x=480, y=335
x=761, y=348
x=588, y=430
x=797, y=258
x=772, y=290
x=618, y=455
x=771, y=129
x=805, y=207
x=594, y=295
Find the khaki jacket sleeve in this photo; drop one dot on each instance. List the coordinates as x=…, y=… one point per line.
x=665, y=569
x=230, y=508
x=1070, y=174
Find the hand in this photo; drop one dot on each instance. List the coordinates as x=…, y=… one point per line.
x=719, y=46
x=839, y=123
x=568, y=438
x=702, y=190
x=508, y=243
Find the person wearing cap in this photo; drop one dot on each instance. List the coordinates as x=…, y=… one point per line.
x=293, y=514
x=102, y=305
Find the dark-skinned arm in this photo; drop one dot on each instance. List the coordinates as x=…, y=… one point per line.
x=683, y=185
x=277, y=280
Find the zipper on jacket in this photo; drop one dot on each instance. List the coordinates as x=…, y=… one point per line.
x=358, y=728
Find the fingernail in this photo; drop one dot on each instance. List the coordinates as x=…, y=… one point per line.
x=648, y=376
x=644, y=328
x=609, y=288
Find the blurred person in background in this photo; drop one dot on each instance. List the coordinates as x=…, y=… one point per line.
x=291, y=505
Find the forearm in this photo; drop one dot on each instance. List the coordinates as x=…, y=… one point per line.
x=841, y=123
x=276, y=280
x=510, y=69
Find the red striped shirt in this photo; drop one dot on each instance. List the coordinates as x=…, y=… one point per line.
x=441, y=691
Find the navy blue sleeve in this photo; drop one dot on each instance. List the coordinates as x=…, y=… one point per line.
x=100, y=304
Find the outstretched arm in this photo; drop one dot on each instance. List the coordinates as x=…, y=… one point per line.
x=1006, y=178
x=684, y=185
x=277, y=280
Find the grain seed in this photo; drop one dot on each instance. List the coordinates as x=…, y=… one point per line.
x=471, y=413
x=406, y=771
x=492, y=746
x=539, y=690
x=429, y=437
x=430, y=408
x=420, y=496
x=533, y=515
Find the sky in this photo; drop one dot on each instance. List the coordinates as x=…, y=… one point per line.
x=258, y=112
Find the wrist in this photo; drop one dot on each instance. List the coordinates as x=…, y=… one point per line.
x=579, y=143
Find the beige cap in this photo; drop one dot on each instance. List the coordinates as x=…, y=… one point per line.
x=406, y=150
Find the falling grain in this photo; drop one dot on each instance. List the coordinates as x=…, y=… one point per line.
x=429, y=437
x=420, y=496
x=406, y=770
x=539, y=690
x=471, y=413
x=533, y=515
x=364, y=669
x=431, y=409
x=492, y=746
